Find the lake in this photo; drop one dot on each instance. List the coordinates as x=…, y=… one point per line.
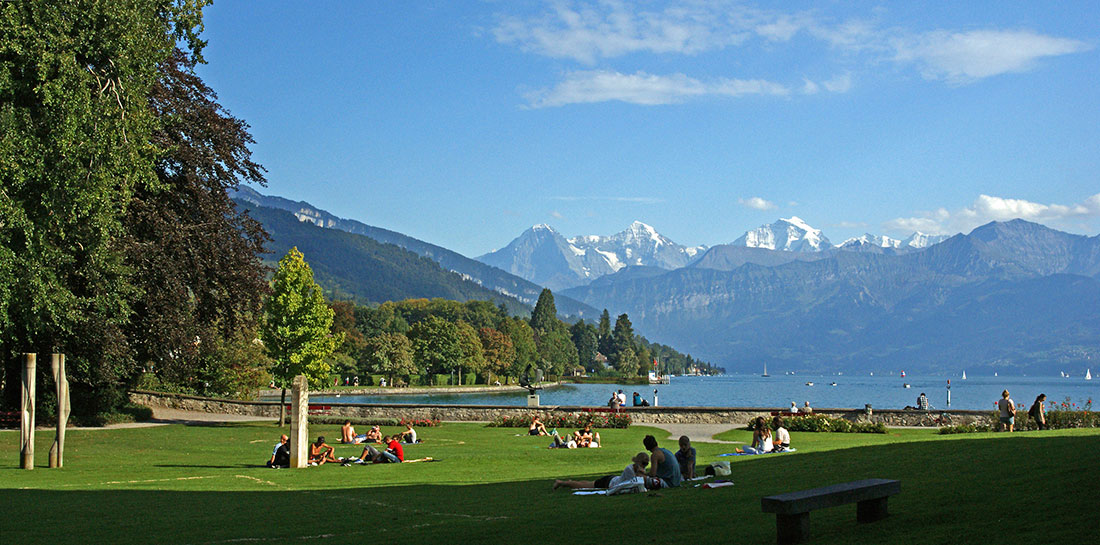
x=881, y=392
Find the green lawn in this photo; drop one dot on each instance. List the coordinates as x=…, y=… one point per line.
x=203, y=485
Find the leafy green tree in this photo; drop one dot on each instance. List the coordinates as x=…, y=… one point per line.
x=499, y=352
x=76, y=129
x=645, y=360
x=523, y=340
x=473, y=358
x=436, y=345
x=626, y=362
x=556, y=351
x=603, y=333
x=545, y=316
x=622, y=337
x=297, y=329
x=389, y=354
x=584, y=338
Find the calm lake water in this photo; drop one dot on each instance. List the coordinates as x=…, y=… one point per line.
x=882, y=392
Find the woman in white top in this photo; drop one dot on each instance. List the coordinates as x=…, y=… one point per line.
x=761, y=438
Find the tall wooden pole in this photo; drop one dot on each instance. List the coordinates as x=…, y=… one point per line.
x=26, y=424
x=299, y=423
x=57, y=451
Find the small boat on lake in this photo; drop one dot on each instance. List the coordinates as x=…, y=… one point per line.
x=809, y=384
x=903, y=373
x=765, y=371
x=964, y=375
x=1088, y=374
x=906, y=385
x=833, y=384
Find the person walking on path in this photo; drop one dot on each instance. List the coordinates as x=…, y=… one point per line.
x=1007, y=409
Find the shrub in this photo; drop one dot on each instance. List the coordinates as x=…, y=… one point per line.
x=419, y=422
x=822, y=423
x=565, y=420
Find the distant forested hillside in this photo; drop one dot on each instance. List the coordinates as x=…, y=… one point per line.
x=361, y=269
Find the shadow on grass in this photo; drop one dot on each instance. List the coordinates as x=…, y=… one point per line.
x=960, y=490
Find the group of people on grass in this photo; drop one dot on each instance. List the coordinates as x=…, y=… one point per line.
x=321, y=452
x=582, y=438
x=1006, y=412
x=666, y=470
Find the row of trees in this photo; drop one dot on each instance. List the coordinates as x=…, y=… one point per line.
x=426, y=337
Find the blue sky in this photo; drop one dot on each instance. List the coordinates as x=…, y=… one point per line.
x=464, y=123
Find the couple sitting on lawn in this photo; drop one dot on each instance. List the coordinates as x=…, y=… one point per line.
x=663, y=473
x=762, y=437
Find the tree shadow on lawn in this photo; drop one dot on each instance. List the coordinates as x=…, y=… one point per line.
x=1025, y=487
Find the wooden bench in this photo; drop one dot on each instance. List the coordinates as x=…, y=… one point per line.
x=792, y=510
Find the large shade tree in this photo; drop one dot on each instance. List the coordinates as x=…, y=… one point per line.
x=75, y=143
x=297, y=328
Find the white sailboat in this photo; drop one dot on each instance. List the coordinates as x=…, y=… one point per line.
x=765, y=371
x=964, y=375
x=1088, y=374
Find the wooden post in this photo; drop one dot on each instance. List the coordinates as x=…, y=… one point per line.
x=26, y=424
x=299, y=423
x=57, y=451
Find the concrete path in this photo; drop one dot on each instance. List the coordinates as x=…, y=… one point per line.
x=698, y=433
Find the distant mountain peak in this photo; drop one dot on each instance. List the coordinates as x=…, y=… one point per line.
x=791, y=234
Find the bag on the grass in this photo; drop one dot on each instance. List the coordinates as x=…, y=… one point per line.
x=718, y=469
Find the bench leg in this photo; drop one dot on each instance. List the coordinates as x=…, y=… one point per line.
x=871, y=510
x=792, y=528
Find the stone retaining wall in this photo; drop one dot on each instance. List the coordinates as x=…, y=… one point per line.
x=483, y=413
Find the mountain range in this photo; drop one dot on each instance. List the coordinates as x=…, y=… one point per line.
x=358, y=263
x=1012, y=294
x=542, y=255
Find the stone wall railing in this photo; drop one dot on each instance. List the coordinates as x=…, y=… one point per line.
x=737, y=416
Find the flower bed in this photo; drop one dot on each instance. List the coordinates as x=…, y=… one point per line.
x=419, y=422
x=564, y=420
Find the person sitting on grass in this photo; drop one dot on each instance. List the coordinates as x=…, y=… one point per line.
x=686, y=458
x=634, y=470
x=586, y=438
x=392, y=455
x=280, y=456
x=537, y=428
x=374, y=435
x=409, y=435
x=664, y=471
x=320, y=452
x=347, y=434
x=761, y=438
x=782, y=436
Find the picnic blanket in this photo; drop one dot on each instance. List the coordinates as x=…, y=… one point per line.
x=748, y=454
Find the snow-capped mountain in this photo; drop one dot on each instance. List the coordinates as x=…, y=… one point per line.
x=883, y=244
x=639, y=244
x=541, y=255
x=788, y=234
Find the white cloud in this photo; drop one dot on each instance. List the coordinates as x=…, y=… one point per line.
x=839, y=84
x=613, y=28
x=757, y=203
x=809, y=87
x=555, y=214
x=987, y=208
x=589, y=86
x=963, y=57
x=639, y=200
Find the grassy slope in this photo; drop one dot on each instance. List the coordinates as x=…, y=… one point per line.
x=190, y=484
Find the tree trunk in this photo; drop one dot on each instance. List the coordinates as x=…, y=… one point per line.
x=282, y=408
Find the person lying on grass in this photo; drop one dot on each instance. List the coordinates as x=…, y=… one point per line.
x=280, y=456
x=320, y=452
x=686, y=458
x=664, y=471
x=560, y=442
x=586, y=438
x=632, y=471
x=537, y=428
x=393, y=454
